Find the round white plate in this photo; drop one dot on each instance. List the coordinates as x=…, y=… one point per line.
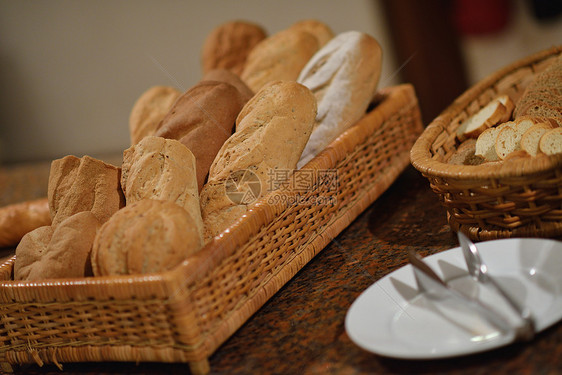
x=391, y=318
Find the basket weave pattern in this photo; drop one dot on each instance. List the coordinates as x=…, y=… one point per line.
x=489, y=201
x=183, y=315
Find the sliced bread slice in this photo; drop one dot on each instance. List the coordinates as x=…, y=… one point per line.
x=509, y=137
x=530, y=139
x=509, y=107
x=551, y=142
x=485, y=118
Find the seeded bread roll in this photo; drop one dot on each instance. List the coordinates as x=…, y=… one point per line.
x=149, y=109
x=229, y=44
x=147, y=236
x=279, y=57
x=268, y=140
x=543, y=96
x=343, y=76
x=163, y=169
x=203, y=119
x=57, y=252
x=83, y=184
x=20, y=218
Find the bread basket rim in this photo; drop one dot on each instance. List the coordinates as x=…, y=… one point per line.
x=420, y=155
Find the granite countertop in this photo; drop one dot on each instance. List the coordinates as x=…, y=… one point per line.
x=300, y=330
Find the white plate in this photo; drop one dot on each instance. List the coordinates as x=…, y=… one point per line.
x=392, y=319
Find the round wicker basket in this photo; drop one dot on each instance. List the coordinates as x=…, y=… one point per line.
x=518, y=198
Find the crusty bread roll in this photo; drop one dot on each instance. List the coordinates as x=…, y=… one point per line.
x=20, y=218
x=203, y=119
x=223, y=75
x=268, y=140
x=149, y=109
x=343, y=76
x=147, y=236
x=321, y=31
x=83, y=184
x=57, y=252
x=162, y=169
x=280, y=56
x=543, y=96
x=228, y=45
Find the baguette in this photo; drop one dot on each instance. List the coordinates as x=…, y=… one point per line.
x=203, y=118
x=228, y=45
x=163, y=169
x=83, y=184
x=343, y=76
x=149, y=109
x=20, y=218
x=280, y=56
x=267, y=141
x=509, y=137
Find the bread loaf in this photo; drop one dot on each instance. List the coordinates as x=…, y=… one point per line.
x=57, y=252
x=223, y=75
x=280, y=56
x=147, y=236
x=162, y=169
x=269, y=139
x=20, y=218
x=322, y=32
x=203, y=119
x=149, y=109
x=543, y=96
x=83, y=184
x=343, y=76
x=228, y=45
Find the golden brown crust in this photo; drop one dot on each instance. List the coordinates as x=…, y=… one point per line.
x=57, y=252
x=321, y=31
x=223, y=75
x=279, y=57
x=273, y=128
x=228, y=45
x=145, y=237
x=20, y=218
x=203, y=119
x=149, y=109
x=83, y=184
x=163, y=169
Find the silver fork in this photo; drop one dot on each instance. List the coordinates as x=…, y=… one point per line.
x=435, y=288
x=479, y=272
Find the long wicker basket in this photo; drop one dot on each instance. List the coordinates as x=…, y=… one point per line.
x=185, y=314
x=488, y=201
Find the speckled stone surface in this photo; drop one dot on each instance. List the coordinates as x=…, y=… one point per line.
x=301, y=329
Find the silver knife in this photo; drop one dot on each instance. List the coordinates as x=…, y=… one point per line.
x=435, y=288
